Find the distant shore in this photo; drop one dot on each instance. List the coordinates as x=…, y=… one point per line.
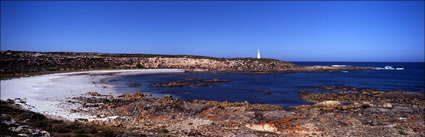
x=22, y=63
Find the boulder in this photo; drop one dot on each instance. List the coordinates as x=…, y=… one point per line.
x=136, y=95
x=167, y=96
x=387, y=105
x=352, y=122
x=276, y=115
x=194, y=108
x=266, y=127
x=81, y=119
x=45, y=133
x=328, y=104
x=93, y=93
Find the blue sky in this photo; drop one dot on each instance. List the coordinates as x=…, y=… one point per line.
x=286, y=30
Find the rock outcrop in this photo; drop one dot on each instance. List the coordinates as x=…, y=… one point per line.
x=345, y=94
x=170, y=116
x=137, y=115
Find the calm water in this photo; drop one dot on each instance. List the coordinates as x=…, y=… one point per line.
x=284, y=86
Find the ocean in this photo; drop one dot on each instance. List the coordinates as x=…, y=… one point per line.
x=284, y=86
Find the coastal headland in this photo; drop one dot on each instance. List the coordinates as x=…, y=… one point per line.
x=19, y=63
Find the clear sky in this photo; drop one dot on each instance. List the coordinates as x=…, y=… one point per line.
x=287, y=30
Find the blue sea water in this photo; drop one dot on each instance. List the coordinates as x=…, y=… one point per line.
x=248, y=87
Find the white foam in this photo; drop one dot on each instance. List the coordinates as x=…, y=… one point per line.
x=47, y=94
x=399, y=68
x=388, y=68
x=339, y=65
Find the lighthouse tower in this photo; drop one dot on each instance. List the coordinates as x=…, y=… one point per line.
x=258, y=54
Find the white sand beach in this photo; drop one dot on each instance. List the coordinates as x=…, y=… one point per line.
x=47, y=94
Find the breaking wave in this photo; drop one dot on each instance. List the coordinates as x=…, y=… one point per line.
x=389, y=68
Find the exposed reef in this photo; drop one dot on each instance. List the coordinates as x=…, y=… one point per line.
x=27, y=63
x=170, y=116
x=346, y=94
x=190, y=82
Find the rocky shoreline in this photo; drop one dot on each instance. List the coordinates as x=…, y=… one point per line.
x=138, y=114
x=333, y=114
x=22, y=63
x=346, y=94
x=211, y=118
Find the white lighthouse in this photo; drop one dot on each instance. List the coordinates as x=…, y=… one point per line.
x=258, y=54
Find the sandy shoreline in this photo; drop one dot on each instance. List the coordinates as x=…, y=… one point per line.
x=47, y=94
